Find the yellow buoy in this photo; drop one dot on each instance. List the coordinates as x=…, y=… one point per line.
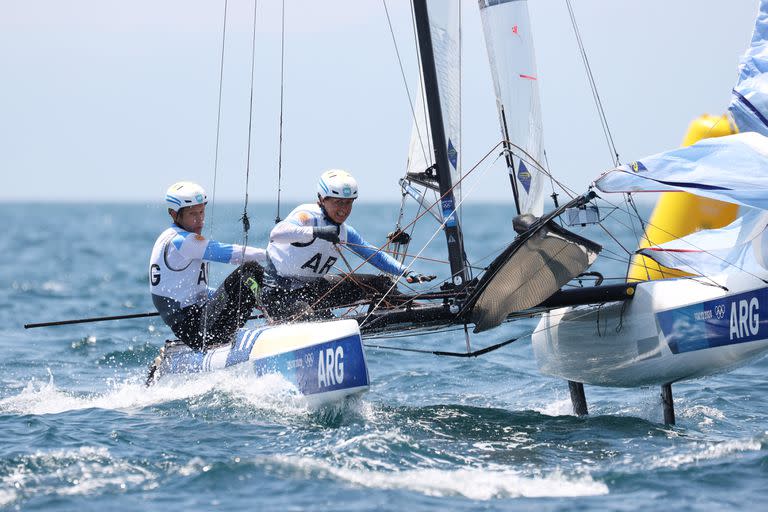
x=678, y=213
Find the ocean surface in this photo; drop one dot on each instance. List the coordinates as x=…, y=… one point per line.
x=80, y=431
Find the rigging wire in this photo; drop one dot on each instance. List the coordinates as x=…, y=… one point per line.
x=428, y=155
x=245, y=220
x=280, y=129
x=460, y=156
x=405, y=81
x=723, y=260
x=218, y=135
x=593, y=86
x=628, y=202
x=474, y=168
x=218, y=115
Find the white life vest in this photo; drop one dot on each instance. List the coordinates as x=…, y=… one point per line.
x=294, y=250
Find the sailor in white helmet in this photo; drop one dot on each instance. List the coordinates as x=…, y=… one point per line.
x=303, y=249
x=178, y=274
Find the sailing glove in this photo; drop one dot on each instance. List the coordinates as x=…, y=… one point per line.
x=330, y=233
x=413, y=277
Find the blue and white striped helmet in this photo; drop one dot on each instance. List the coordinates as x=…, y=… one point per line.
x=183, y=194
x=337, y=183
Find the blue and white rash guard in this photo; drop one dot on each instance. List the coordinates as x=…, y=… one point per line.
x=296, y=254
x=178, y=269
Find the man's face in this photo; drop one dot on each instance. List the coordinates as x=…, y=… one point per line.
x=191, y=218
x=338, y=209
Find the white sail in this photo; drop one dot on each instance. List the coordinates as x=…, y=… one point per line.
x=444, y=28
x=733, y=169
x=509, y=41
x=739, y=246
x=749, y=102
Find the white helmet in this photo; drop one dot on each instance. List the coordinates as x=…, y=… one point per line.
x=337, y=183
x=183, y=194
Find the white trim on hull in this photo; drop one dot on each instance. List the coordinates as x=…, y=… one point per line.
x=671, y=330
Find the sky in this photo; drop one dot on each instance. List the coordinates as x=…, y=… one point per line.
x=107, y=100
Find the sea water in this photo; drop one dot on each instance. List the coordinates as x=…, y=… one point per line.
x=79, y=430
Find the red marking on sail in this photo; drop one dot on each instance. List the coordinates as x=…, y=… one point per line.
x=528, y=77
x=514, y=29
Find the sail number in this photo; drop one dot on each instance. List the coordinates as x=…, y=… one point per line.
x=745, y=318
x=330, y=366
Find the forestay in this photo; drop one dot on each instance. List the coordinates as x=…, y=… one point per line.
x=509, y=41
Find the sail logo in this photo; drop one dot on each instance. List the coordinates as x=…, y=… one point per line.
x=745, y=318
x=448, y=212
x=453, y=155
x=720, y=311
x=524, y=175
x=637, y=166
x=330, y=367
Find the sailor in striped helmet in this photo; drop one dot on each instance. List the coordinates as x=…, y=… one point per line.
x=303, y=249
x=178, y=274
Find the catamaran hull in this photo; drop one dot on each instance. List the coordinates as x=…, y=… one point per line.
x=324, y=360
x=670, y=331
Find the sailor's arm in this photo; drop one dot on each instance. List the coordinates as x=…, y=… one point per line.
x=378, y=259
x=297, y=227
x=302, y=227
x=193, y=246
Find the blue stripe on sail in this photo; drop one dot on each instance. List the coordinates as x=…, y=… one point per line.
x=690, y=185
x=751, y=107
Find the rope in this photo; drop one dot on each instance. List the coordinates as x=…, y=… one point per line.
x=593, y=87
x=280, y=130
x=405, y=81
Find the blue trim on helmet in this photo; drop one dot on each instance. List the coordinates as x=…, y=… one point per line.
x=173, y=200
x=323, y=186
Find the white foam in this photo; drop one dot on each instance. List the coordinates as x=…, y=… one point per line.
x=703, y=452
x=7, y=496
x=473, y=483
x=561, y=407
x=271, y=392
x=83, y=471
x=54, y=286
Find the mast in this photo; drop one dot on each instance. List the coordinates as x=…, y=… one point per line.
x=508, y=157
x=452, y=228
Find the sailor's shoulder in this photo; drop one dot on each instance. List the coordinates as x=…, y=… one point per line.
x=305, y=214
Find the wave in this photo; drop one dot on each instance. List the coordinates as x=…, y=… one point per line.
x=234, y=392
x=476, y=483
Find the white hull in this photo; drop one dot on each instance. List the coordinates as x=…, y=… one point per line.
x=671, y=330
x=324, y=360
